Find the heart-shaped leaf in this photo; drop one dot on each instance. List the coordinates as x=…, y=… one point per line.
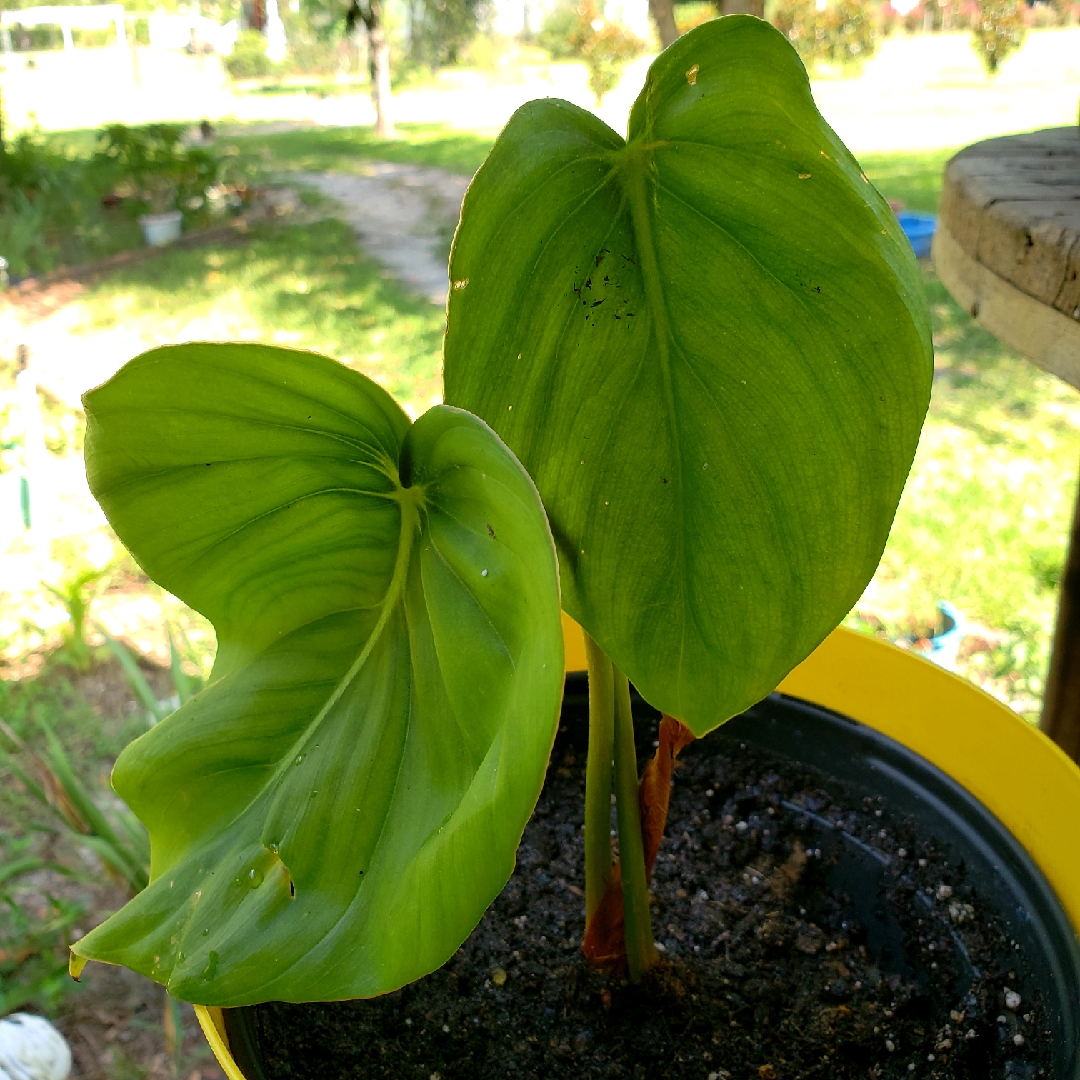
x=710, y=347
x=331, y=816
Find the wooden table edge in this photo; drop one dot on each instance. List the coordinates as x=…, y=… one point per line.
x=1044, y=336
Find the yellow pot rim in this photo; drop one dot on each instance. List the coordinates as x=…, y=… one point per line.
x=1016, y=772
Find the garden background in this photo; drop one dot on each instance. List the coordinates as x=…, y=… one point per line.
x=281, y=244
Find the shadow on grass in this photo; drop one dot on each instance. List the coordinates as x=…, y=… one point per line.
x=304, y=286
x=988, y=389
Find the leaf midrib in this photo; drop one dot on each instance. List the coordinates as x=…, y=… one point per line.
x=410, y=526
x=632, y=177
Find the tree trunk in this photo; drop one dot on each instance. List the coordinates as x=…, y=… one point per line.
x=379, y=50
x=663, y=13
x=744, y=7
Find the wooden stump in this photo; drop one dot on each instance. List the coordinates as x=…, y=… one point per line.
x=1008, y=249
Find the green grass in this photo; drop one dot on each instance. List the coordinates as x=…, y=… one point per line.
x=912, y=178
x=985, y=515
x=347, y=149
x=305, y=286
x=37, y=917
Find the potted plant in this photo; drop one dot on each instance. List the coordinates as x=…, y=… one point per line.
x=157, y=170
x=718, y=412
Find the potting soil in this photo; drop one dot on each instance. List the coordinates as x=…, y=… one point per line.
x=804, y=932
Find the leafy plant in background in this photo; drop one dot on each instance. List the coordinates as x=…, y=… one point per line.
x=37, y=927
x=248, y=60
x=186, y=686
x=841, y=32
x=580, y=31
x=719, y=419
x=440, y=29
x=35, y=931
x=50, y=208
x=76, y=593
x=51, y=780
x=34, y=944
x=51, y=200
x=153, y=165
x=999, y=31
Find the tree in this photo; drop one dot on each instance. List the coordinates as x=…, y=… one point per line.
x=370, y=13
x=999, y=31
x=842, y=32
x=663, y=13
x=440, y=29
x=604, y=45
x=580, y=32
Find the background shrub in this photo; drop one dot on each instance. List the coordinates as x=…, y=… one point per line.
x=843, y=33
x=999, y=31
x=248, y=59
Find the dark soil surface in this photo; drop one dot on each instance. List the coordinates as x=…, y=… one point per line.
x=780, y=962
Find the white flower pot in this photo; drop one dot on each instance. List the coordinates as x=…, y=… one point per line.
x=161, y=229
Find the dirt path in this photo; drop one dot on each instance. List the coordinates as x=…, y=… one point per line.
x=404, y=215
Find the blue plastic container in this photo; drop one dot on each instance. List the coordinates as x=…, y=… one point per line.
x=919, y=229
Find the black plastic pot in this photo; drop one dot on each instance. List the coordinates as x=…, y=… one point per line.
x=867, y=763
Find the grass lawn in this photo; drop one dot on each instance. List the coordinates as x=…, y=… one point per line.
x=985, y=515
x=347, y=149
x=306, y=286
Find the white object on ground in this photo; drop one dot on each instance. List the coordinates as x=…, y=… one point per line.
x=32, y=1049
x=161, y=229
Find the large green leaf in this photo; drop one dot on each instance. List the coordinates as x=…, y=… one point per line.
x=332, y=815
x=709, y=345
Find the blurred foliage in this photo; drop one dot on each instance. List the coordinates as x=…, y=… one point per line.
x=69, y=201
x=581, y=32
x=56, y=842
x=76, y=592
x=36, y=928
x=153, y=165
x=439, y=30
x=841, y=32
x=51, y=210
x=248, y=60
x=1000, y=31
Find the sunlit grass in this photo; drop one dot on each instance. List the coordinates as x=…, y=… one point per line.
x=305, y=286
x=913, y=178
x=986, y=511
x=349, y=149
